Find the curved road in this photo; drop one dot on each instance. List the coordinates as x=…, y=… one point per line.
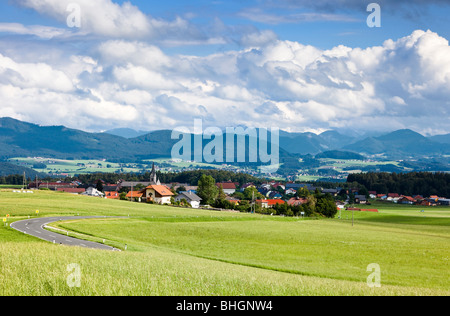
x=35, y=227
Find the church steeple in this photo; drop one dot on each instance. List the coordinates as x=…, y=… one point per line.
x=153, y=177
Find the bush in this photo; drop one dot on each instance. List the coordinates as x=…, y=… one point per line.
x=326, y=208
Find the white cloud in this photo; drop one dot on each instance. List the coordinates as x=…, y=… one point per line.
x=45, y=32
x=138, y=53
x=282, y=83
x=109, y=19
x=33, y=75
x=100, y=17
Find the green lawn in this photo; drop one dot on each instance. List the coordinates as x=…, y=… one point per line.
x=194, y=252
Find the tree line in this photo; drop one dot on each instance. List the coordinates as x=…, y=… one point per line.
x=413, y=183
x=188, y=177
x=12, y=179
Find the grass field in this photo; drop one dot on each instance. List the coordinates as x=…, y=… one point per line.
x=183, y=252
x=73, y=167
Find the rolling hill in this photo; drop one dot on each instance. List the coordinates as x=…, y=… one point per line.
x=21, y=139
x=7, y=169
x=445, y=139
x=399, y=144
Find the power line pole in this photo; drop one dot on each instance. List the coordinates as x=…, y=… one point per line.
x=253, y=202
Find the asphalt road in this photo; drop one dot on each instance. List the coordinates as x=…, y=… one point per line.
x=35, y=227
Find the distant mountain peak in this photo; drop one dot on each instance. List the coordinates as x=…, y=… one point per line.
x=403, y=133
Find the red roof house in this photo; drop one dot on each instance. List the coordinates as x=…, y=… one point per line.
x=228, y=187
x=269, y=203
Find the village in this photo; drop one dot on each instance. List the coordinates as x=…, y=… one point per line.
x=268, y=195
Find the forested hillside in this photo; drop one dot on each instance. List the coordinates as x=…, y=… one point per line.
x=423, y=183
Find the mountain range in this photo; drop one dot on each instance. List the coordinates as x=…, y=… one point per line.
x=22, y=139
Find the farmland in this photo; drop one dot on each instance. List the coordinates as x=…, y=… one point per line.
x=72, y=167
x=60, y=167
x=174, y=251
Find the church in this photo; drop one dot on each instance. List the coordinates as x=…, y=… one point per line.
x=155, y=192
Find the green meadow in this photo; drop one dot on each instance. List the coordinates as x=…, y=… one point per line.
x=73, y=167
x=184, y=252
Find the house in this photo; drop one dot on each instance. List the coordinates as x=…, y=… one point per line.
x=444, y=201
x=333, y=192
x=297, y=201
x=432, y=201
x=159, y=194
x=112, y=195
x=275, y=195
x=228, y=187
x=135, y=196
x=184, y=187
x=110, y=188
x=233, y=200
x=276, y=185
x=361, y=199
x=247, y=185
x=434, y=197
x=191, y=198
x=393, y=197
x=406, y=200
x=91, y=191
x=269, y=203
x=340, y=205
x=290, y=191
x=264, y=190
x=294, y=186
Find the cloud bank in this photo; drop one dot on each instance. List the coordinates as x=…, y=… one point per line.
x=401, y=84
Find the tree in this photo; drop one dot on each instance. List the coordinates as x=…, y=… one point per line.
x=207, y=189
x=326, y=207
x=99, y=185
x=221, y=195
x=303, y=192
x=181, y=188
x=342, y=195
x=364, y=191
x=351, y=198
x=251, y=192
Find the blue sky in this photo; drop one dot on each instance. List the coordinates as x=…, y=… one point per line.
x=340, y=24
x=304, y=65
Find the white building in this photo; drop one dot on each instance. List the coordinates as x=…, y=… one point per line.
x=190, y=197
x=91, y=191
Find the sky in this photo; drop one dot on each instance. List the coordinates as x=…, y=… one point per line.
x=298, y=65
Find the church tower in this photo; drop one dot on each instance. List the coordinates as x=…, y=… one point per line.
x=153, y=177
